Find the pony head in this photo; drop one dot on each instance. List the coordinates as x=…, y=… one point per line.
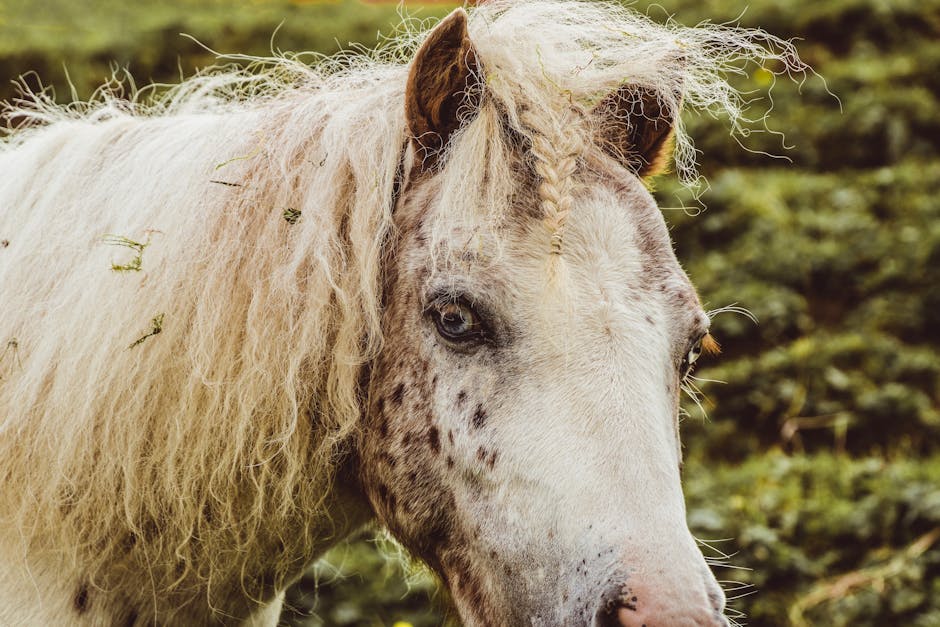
x=522, y=433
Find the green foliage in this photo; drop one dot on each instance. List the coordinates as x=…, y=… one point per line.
x=366, y=582
x=798, y=522
x=821, y=454
x=844, y=280
x=84, y=42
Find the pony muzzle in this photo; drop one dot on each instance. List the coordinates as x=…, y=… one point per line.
x=661, y=601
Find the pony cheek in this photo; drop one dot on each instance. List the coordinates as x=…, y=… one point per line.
x=416, y=509
x=401, y=476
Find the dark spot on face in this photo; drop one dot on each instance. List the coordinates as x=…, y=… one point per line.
x=492, y=460
x=383, y=426
x=81, y=600
x=4, y=243
x=481, y=453
x=450, y=461
x=461, y=397
x=479, y=417
x=450, y=436
x=650, y=320
x=434, y=438
x=398, y=394
x=434, y=380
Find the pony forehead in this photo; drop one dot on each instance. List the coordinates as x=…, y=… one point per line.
x=460, y=230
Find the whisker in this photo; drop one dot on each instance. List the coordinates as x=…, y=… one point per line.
x=742, y=595
x=708, y=545
x=704, y=380
x=695, y=394
x=731, y=566
x=726, y=584
x=732, y=308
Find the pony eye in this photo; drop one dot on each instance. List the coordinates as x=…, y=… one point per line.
x=457, y=322
x=694, y=353
x=706, y=344
x=689, y=360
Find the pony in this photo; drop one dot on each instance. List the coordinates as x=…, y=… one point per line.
x=426, y=286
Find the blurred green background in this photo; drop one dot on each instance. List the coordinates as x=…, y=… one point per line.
x=818, y=466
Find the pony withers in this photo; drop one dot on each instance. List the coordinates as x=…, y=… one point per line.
x=425, y=287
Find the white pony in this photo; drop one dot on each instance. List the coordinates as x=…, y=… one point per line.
x=245, y=318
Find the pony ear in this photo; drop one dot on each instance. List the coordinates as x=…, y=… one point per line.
x=636, y=128
x=444, y=77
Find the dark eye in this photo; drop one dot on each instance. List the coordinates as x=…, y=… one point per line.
x=689, y=360
x=706, y=344
x=457, y=322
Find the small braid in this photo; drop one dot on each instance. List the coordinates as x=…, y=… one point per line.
x=556, y=160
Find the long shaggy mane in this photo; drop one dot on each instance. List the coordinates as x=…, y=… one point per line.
x=190, y=283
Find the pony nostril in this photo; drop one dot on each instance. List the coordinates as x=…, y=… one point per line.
x=608, y=617
x=628, y=616
x=621, y=616
x=625, y=613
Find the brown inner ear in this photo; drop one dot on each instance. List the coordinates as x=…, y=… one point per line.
x=444, y=77
x=636, y=129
